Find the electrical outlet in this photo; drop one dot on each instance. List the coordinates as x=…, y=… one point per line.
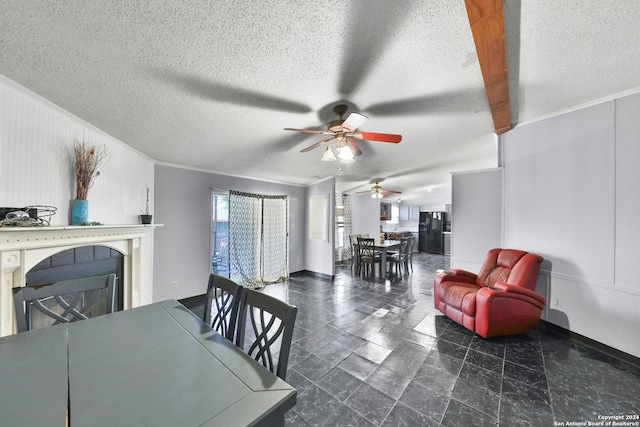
x=174, y=285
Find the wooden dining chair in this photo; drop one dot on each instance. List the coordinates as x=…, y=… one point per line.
x=368, y=256
x=395, y=236
x=63, y=302
x=265, y=330
x=409, y=260
x=222, y=305
x=399, y=259
x=353, y=244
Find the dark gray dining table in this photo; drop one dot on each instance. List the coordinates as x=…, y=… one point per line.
x=381, y=246
x=156, y=365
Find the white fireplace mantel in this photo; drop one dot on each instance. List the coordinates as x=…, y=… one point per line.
x=21, y=248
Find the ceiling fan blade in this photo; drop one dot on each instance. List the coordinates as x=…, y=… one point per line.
x=379, y=137
x=322, y=132
x=354, y=121
x=354, y=147
x=316, y=145
x=391, y=191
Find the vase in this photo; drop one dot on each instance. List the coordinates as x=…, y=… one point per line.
x=79, y=211
x=145, y=219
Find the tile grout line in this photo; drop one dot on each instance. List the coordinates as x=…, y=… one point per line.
x=504, y=363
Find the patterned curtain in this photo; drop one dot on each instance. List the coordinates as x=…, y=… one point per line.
x=274, y=239
x=348, y=221
x=257, y=239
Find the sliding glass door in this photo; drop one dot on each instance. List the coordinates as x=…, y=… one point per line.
x=220, y=235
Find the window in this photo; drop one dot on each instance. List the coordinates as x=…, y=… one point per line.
x=395, y=214
x=220, y=235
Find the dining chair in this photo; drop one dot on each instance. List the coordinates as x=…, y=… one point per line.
x=63, y=302
x=353, y=243
x=394, y=236
x=399, y=259
x=271, y=321
x=222, y=305
x=409, y=260
x=368, y=256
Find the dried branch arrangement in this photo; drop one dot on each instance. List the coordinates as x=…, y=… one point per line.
x=89, y=158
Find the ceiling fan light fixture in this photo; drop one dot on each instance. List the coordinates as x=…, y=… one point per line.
x=328, y=155
x=348, y=160
x=345, y=153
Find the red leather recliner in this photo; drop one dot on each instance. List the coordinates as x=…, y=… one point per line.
x=499, y=300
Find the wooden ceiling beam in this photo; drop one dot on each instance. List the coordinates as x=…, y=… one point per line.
x=486, y=18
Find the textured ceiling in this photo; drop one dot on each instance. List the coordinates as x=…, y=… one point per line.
x=211, y=84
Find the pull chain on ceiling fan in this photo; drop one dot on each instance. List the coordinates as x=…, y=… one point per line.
x=341, y=146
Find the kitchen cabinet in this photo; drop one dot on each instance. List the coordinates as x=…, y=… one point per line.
x=409, y=213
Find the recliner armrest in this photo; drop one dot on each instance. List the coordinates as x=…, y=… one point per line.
x=447, y=277
x=462, y=273
x=520, y=290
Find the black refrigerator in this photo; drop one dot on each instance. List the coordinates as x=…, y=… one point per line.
x=430, y=228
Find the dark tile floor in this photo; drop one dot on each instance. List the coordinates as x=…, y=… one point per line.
x=368, y=352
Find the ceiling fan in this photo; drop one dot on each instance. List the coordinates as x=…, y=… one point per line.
x=377, y=192
x=343, y=132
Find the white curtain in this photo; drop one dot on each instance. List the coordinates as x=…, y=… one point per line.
x=258, y=249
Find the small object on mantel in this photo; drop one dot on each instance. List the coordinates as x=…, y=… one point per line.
x=91, y=223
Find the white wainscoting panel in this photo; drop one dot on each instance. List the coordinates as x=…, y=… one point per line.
x=36, y=142
x=571, y=196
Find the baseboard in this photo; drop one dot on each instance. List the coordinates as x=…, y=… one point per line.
x=313, y=274
x=613, y=352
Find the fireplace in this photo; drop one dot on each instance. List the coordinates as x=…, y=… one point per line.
x=26, y=251
x=78, y=263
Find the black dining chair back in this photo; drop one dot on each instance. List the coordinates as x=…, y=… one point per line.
x=368, y=256
x=222, y=305
x=400, y=258
x=265, y=330
x=353, y=244
x=409, y=259
x=63, y=302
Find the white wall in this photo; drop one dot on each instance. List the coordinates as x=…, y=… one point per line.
x=571, y=195
x=436, y=202
x=36, y=141
x=183, y=245
x=476, y=224
x=365, y=212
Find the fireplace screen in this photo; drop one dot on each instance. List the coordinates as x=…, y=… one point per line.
x=77, y=263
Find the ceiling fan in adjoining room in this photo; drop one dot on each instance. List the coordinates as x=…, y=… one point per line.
x=377, y=192
x=341, y=145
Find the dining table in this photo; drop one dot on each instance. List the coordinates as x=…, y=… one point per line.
x=155, y=365
x=381, y=246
